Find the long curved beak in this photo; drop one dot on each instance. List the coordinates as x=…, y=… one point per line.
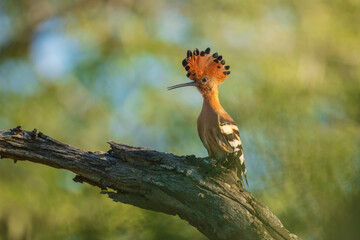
x=183, y=85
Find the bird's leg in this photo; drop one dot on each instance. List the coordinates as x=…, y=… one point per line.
x=210, y=160
x=227, y=161
x=211, y=166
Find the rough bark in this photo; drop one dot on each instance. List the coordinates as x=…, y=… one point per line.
x=204, y=193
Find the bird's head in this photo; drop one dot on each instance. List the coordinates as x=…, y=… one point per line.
x=205, y=70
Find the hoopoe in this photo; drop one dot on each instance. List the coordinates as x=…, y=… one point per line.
x=217, y=130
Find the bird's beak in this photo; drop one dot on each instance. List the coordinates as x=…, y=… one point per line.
x=182, y=85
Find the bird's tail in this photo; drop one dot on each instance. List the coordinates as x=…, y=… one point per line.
x=241, y=173
x=237, y=162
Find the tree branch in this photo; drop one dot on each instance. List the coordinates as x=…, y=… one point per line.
x=200, y=191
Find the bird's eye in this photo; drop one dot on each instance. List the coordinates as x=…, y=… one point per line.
x=204, y=80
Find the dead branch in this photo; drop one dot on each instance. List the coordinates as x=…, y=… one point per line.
x=200, y=191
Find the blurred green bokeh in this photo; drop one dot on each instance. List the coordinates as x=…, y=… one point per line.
x=87, y=71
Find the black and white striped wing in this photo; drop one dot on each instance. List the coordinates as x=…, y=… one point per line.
x=231, y=137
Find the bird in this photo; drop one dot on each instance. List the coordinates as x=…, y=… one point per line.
x=217, y=130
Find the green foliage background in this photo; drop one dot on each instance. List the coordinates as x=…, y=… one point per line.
x=88, y=71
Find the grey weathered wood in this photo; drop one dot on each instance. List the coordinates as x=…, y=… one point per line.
x=200, y=191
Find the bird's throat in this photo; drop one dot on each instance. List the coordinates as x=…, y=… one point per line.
x=211, y=100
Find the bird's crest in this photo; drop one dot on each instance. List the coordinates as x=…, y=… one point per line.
x=199, y=64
